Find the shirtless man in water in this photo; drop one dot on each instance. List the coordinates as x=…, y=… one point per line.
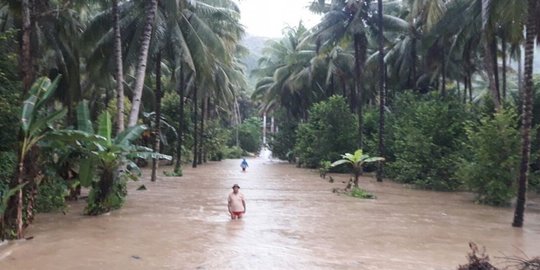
x=236, y=203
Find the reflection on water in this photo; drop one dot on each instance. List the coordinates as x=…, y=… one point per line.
x=293, y=221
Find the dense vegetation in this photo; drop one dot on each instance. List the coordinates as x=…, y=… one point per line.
x=127, y=80
x=441, y=89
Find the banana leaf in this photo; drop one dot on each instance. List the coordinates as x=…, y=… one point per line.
x=48, y=89
x=105, y=126
x=83, y=117
x=5, y=197
x=86, y=172
x=40, y=124
x=129, y=134
x=27, y=115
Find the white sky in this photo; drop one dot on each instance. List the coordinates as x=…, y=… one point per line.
x=267, y=18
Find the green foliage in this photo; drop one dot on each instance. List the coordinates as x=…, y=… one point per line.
x=215, y=140
x=103, y=157
x=356, y=161
x=170, y=110
x=425, y=140
x=491, y=169
x=8, y=160
x=10, y=89
x=282, y=143
x=51, y=194
x=360, y=193
x=330, y=131
x=233, y=152
x=107, y=194
x=250, y=134
x=324, y=167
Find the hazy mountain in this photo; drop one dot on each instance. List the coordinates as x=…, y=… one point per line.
x=255, y=44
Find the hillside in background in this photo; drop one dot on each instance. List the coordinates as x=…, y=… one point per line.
x=255, y=44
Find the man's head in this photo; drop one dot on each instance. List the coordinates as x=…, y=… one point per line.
x=235, y=188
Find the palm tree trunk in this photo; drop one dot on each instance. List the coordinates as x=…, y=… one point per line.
x=141, y=65
x=157, y=135
x=201, y=132
x=413, y=56
x=382, y=92
x=520, y=74
x=119, y=69
x=488, y=54
x=360, y=47
x=195, y=134
x=19, y=200
x=489, y=70
x=495, y=66
x=526, y=117
x=470, y=88
x=332, y=86
x=180, y=90
x=26, y=55
x=443, y=71
x=503, y=42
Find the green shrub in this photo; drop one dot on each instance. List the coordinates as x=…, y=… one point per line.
x=492, y=167
x=330, y=131
x=10, y=90
x=51, y=195
x=215, y=140
x=8, y=160
x=233, y=152
x=424, y=140
x=282, y=143
x=249, y=134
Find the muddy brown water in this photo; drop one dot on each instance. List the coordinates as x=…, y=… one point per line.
x=293, y=221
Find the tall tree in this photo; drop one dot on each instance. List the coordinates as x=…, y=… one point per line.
x=382, y=92
x=157, y=142
x=195, y=134
x=141, y=65
x=26, y=56
x=119, y=69
x=526, y=114
x=488, y=37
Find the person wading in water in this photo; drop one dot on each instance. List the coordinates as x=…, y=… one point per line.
x=244, y=165
x=236, y=203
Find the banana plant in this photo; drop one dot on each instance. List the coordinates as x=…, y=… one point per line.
x=36, y=125
x=357, y=161
x=106, y=164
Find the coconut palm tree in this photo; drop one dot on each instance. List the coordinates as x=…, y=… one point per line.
x=284, y=70
x=26, y=57
x=141, y=65
x=382, y=92
x=530, y=35
x=119, y=68
x=349, y=19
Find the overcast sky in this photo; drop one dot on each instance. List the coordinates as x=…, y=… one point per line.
x=267, y=18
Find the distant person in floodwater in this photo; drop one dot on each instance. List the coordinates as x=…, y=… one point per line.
x=244, y=165
x=236, y=203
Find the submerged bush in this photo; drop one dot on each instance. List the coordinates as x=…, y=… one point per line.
x=249, y=135
x=51, y=195
x=425, y=140
x=330, y=131
x=233, y=152
x=491, y=168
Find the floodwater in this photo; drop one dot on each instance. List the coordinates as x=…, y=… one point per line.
x=293, y=221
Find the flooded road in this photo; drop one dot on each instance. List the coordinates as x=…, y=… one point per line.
x=293, y=221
